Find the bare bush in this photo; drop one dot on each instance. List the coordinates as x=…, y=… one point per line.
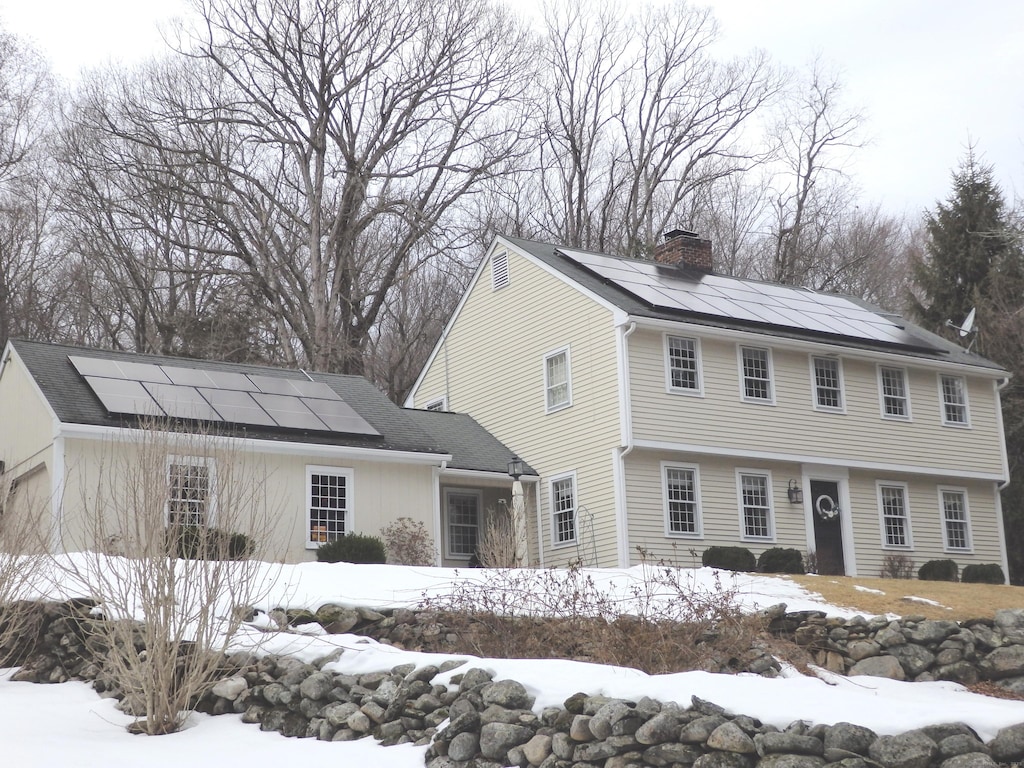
x=408, y=543
x=185, y=516
x=672, y=624
x=22, y=556
x=895, y=566
x=497, y=547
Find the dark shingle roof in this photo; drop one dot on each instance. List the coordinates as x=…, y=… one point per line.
x=922, y=343
x=471, y=446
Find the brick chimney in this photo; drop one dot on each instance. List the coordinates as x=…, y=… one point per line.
x=686, y=249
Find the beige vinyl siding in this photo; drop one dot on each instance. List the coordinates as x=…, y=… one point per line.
x=793, y=426
x=493, y=363
x=926, y=521
x=26, y=423
x=720, y=507
x=381, y=491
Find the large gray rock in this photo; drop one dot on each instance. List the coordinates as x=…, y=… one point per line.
x=317, y=686
x=1006, y=661
x=671, y=754
x=464, y=747
x=929, y=632
x=847, y=737
x=607, y=716
x=788, y=743
x=791, y=761
x=908, y=750
x=960, y=744
x=879, y=666
x=659, y=729
x=729, y=737
x=496, y=739
x=724, y=760
x=1008, y=745
x=537, y=749
x=337, y=619
x=697, y=731
x=339, y=712
x=889, y=637
x=1009, y=621
x=231, y=688
x=508, y=694
x=970, y=760
x=959, y=672
x=862, y=649
x=914, y=659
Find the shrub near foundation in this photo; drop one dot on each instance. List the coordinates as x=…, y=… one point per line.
x=781, y=560
x=352, y=548
x=983, y=573
x=939, y=570
x=729, y=558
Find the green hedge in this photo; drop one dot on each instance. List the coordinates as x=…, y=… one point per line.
x=983, y=573
x=729, y=558
x=352, y=548
x=781, y=560
x=939, y=570
x=193, y=542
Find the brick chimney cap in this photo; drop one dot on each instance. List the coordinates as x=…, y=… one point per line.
x=672, y=234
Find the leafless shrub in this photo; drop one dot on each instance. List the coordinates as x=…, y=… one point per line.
x=497, y=545
x=175, y=598
x=672, y=623
x=408, y=543
x=811, y=561
x=896, y=566
x=22, y=558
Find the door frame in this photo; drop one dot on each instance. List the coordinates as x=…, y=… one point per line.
x=840, y=476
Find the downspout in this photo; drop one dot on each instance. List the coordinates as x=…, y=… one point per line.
x=57, y=483
x=438, y=530
x=1000, y=486
x=625, y=447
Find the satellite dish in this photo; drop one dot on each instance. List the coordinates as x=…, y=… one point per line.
x=968, y=324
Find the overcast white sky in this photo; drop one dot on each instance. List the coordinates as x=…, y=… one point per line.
x=928, y=74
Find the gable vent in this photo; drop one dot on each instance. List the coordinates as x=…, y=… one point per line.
x=499, y=270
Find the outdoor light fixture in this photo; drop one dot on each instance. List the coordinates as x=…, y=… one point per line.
x=796, y=493
x=515, y=468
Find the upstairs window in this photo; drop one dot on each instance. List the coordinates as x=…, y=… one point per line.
x=563, y=509
x=955, y=526
x=892, y=383
x=683, y=360
x=189, y=492
x=756, y=365
x=756, y=505
x=828, y=384
x=954, y=400
x=329, y=504
x=499, y=270
x=557, y=389
x=895, y=516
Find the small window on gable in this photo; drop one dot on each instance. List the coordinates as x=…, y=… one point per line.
x=828, y=383
x=499, y=270
x=954, y=401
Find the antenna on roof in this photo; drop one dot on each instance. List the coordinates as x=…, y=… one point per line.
x=966, y=328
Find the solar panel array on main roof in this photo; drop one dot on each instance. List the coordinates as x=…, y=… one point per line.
x=664, y=287
x=149, y=389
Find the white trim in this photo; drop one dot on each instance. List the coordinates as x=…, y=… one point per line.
x=997, y=398
x=770, y=400
x=336, y=452
x=893, y=359
x=909, y=415
x=670, y=388
x=210, y=502
x=504, y=274
x=750, y=454
x=561, y=406
x=879, y=484
x=441, y=401
x=540, y=525
x=349, y=511
x=770, y=493
x=555, y=543
x=813, y=358
x=481, y=475
x=968, y=532
x=966, y=423
x=446, y=535
x=698, y=506
x=1002, y=533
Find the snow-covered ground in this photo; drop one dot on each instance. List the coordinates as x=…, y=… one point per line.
x=68, y=725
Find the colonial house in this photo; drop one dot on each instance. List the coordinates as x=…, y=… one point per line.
x=330, y=454
x=668, y=408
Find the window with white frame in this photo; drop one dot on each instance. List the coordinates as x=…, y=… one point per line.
x=462, y=512
x=683, y=358
x=954, y=400
x=892, y=499
x=828, y=383
x=189, y=491
x=499, y=270
x=955, y=523
x=893, y=386
x=756, y=505
x=328, y=504
x=557, y=389
x=682, y=501
x=756, y=364
x=563, y=509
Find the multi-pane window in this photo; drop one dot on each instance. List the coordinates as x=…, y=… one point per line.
x=755, y=499
x=556, y=380
x=463, y=523
x=681, y=501
x=757, y=374
x=189, y=492
x=563, y=509
x=954, y=400
x=895, y=404
x=499, y=270
x=683, y=364
x=828, y=385
x=330, y=502
x=894, y=515
x=954, y=518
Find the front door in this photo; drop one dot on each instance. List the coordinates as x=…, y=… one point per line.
x=828, y=527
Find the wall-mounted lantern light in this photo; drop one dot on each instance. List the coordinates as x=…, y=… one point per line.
x=796, y=493
x=516, y=468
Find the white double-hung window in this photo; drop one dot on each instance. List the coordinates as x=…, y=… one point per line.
x=557, y=380
x=682, y=362
x=895, y=515
x=756, y=375
x=682, y=500
x=562, y=494
x=892, y=386
x=328, y=504
x=755, y=491
x=828, y=383
x=190, y=483
x=954, y=400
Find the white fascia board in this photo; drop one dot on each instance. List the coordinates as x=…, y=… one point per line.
x=733, y=334
x=495, y=478
x=92, y=432
x=797, y=458
x=618, y=314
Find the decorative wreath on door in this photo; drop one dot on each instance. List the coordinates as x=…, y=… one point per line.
x=826, y=507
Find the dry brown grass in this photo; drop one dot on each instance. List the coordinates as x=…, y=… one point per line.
x=958, y=601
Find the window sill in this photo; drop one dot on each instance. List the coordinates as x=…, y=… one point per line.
x=687, y=536
x=956, y=425
x=898, y=547
x=755, y=401
x=685, y=392
x=557, y=408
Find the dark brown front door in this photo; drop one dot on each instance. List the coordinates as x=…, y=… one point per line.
x=828, y=527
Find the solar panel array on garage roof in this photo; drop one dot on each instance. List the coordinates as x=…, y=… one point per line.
x=150, y=389
x=665, y=287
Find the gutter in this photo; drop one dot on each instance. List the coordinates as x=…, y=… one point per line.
x=620, y=453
